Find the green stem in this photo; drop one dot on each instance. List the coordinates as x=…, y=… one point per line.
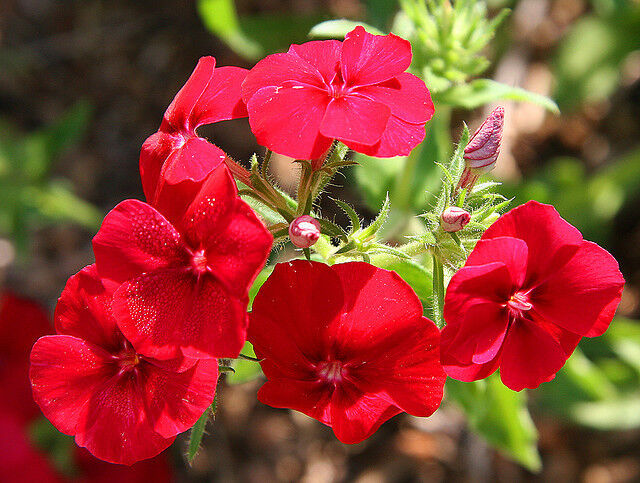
x=438, y=291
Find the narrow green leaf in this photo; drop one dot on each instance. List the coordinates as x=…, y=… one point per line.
x=375, y=226
x=197, y=432
x=246, y=370
x=484, y=91
x=350, y=212
x=331, y=229
x=337, y=29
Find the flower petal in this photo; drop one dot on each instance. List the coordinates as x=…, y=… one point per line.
x=135, y=238
x=324, y=55
x=408, y=370
x=398, y=139
x=530, y=356
x=551, y=241
x=174, y=402
x=406, y=95
x=115, y=427
x=582, y=295
x=65, y=373
x=356, y=416
x=369, y=59
x=355, y=119
x=84, y=310
x=165, y=312
x=512, y=252
x=287, y=120
x=238, y=252
x=312, y=398
x=469, y=372
x=281, y=70
x=221, y=99
x=302, y=298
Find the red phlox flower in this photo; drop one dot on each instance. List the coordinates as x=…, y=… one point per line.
x=92, y=470
x=346, y=345
x=529, y=291
x=22, y=322
x=176, y=153
x=185, y=275
x=356, y=91
x=90, y=382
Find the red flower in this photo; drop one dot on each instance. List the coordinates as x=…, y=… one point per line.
x=22, y=322
x=176, y=153
x=530, y=290
x=92, y=470
x=89, y=382
x=355, y=91
x=186, y=274
x=346, y=345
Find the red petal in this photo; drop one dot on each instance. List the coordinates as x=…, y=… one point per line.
x=115, y=427
x=476, y=335
x=531, y=356
x=155, y=151
x=356, y=416
x=167, y=311
x=407, y=369
x=174, y=401
x=238, y=252
x=369, y=59
x=93, y=470
x=302, y=299
x=355, y=119
x=210, y=209
x=324, y=55
x=550, y=239
x=406, y=95
x=178, y=115
x=309, y=397
x=221, y=99
x=135, y=238
x=398, y=139
x=374, y=300
x=469, y=372
x=583, y=293
x=287, y=120
x=512, y=252
x=84, y=310
x=280, y=70
x=65, y=373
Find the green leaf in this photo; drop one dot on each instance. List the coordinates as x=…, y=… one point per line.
x=375, y=226
x=350, y=212
x=245, y=370
x=414, y=274
x=258, y=282
x=331, y=229
x=197, y=432
x=484, y=91
x=337, y=29
x=500, y=416
x=220, y=17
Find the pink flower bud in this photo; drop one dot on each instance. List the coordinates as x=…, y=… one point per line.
x=482, y=152
x=304, y=231
x=454, y=219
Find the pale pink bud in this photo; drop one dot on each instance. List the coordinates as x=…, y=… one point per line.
x=484, y=146
x=304, y=231
x=454, y=219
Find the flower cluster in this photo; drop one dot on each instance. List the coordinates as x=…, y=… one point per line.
x=134, y=361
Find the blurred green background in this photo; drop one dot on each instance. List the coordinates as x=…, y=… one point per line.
x=83, y=83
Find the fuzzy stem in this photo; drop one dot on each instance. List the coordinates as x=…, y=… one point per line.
x=438, y=291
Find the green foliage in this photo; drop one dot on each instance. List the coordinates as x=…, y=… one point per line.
x=587, y=64
x=599, y=385
x=245, y=370
x=29, y=196
x=254, y=36
x=500, y=416
x=197, y=431
x=59, y=447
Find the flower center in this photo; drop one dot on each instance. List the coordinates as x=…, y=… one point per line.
x=330, y=371
x=199, y=262
x=519, y=302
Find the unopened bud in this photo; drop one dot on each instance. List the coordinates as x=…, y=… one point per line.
x=454, y=219
x=304, y=231
x=482, y=152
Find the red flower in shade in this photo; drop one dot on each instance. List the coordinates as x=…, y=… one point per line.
x=176, y=153
x=22, y=322
x=89, y=381
x=529, y=291
x=356, y=91
x=185, y=275
x=346, y=345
